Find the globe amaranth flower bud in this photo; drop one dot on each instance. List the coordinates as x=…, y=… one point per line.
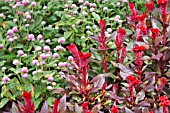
x=25, y=75
x=46, y=48
x=25, y=70
x=31, y=37
x=50, y=79
x=61, y=40
x=55, y=55
x=15, y=62
x=20, y=52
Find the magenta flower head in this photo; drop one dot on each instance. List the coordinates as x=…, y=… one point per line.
x=55, y=55
x=25, y=75
x=73, y=6
x=5, y=79
x=49, y=87
x=50, y=79
x=20, y=52
x=46, y=48
x=61, y=40
x=43, y=56
x=35, y=62
x=38, y=48
x=70, y=59
x=39, y=37
x=61, y=64
x=10, y=32
x=25, y=2
x=28, y=16
x=15, y=29
x=1, y=15
x=1, y=46
x=80, y=1
x=33, y=4
x=25, y=70
x=31, y=37
x=15, y=62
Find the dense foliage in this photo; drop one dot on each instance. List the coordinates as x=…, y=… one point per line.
x=85, y=56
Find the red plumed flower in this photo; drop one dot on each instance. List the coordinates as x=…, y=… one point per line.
x=132, y=80
x=139, y=48
x=55, y=107
x=29, y=105
x=85, y=105
x=102, y=24
x=150, y=6
x=120, y=38
x=155, y=33
x=115, y=109
x=162, y=2
x=141, y=18
x=164, y=101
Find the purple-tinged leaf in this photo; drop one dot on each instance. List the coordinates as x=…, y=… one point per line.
x=95, y=37
x=140, y=96
x=145, y=110
x=59, y=90
x=157, y=40
x=148, y=75
x=94, y=90
x=127, y=110
x=96, y=78
x=14, y=108
x=96, y=108
x=144, y=104
x=119, y=99
x=62, y=104
x=112, y=37
x=70, y=106
x=143, y=44
x=44, y=108
x=78, y=109
x=99, y=83
x=158, y=56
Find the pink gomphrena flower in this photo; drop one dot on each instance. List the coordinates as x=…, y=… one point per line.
x=5, y=79
x=11, y=39
x=117, y=18
x=84, y=13
x=1, y=46
x=105, y=1
x=43, y=22
x=42, y=63
x=15, y=37
x=16, y=0
x=15, y=62
x=33, y=4
x=58, y=48
x=31, y=37
x=6, y=0
x=73, y=6
x=70, y=59
x=61, y=64
x=50, y=79
x=46, y=48
x=87, y=3
x=35, y=62
x=61, y=40
x=25, y=2
x=25, y=75
x=80, y=1
x=24, y=70
x=28, y=16
x=92, y=9
x=1, y=15
x=15, y=29
x=53, y=84
x=43, y=56
x=27, y=25
x=3, y=68
x=93, y=5
x=66, y=5
x=48, y=41
x=39, y=37
x=27, y=13
x=38, y=48
x=34, y=72
x=10, y=49
x=49, y=87
x=10, y=32
x=55, y=55
x=118, y=3
x=105, y=9
x=20, y=52
x=125, y=1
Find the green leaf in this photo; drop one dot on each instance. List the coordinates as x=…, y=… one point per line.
x=3, y=102
x=37, y=102
x=50, y=101
x=67, y=34
x=96, y=16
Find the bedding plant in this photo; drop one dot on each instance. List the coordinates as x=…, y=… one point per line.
x=118, y=66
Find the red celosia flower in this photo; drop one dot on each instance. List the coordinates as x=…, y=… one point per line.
x=104, y=86
x=151, y=112
x=139, y=48
x=55, y=107
x=102, y=24
x=161, y=85
x=132, y=7
x=81, y=59
x=141, y=18
x=155, y=33
x=150, y=6
x=29, y=105
x=85, y=105
x=164, y=101
x=120, y=38
x=115, y=109
x=132, y=80
x=122, y=55
x=162, y=2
